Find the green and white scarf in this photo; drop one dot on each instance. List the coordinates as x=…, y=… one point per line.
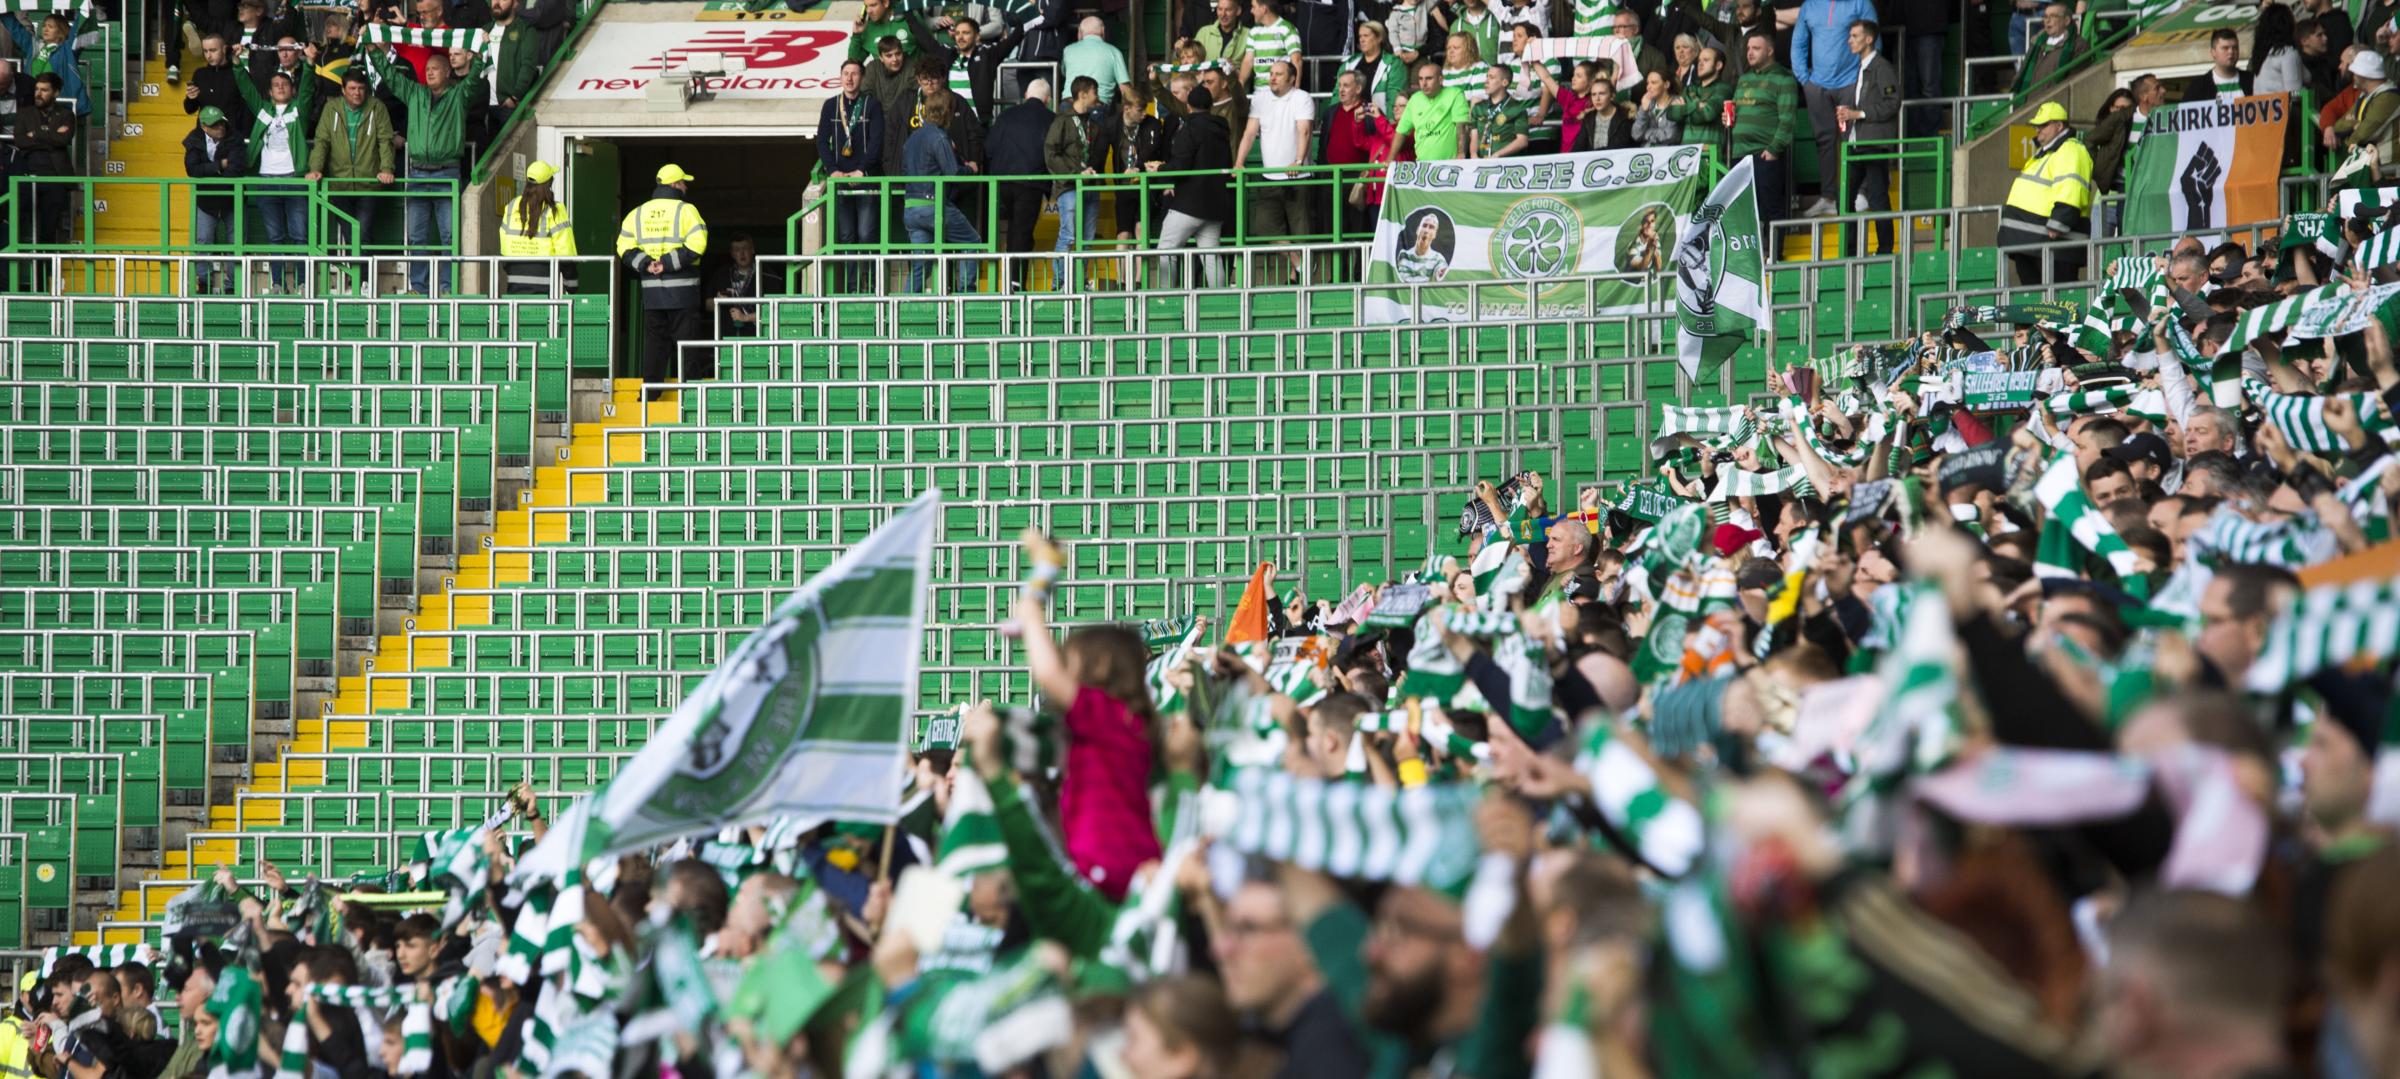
x=1664, y=832
x=2230, y=537
x=2300, y=418
x=1916, y=730
x=2328, y=626
x=1735, y=483
x=236, y=1004
x=424, y=37
x=2070, y=514
x=1419, y=836
x=2272, y=319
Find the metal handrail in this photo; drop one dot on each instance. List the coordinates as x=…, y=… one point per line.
x=175, y=191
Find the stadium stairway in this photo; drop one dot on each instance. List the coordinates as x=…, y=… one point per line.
x=131, y=217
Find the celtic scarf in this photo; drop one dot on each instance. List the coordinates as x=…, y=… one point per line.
x=1596, y=18
x=1419, y=836
x=2272, y=319
x=2148, y=404
x=1916, y=730
x=455, y=862
x=1432, y=729
x=1735, y=483
x=423, y=37
x=1678, y=420
x=2300, y=418
x=971, y=840
x=2327, y=626
x=236, y=1004
x=294, y=1061
x=2379, y=250
x=2230, y=537
x=2070, y=515
x=104, y=956
x=2364, y=495
x=1648, y=824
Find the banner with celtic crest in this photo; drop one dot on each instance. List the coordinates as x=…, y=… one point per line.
x=1555, y=235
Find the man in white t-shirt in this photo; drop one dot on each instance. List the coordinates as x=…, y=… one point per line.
x=1282, y=117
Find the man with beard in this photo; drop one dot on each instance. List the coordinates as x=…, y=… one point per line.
x=1274, y=982
x=1702, y=111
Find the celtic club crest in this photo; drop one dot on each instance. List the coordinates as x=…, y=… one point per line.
x=759, y=711
x=1537, y=237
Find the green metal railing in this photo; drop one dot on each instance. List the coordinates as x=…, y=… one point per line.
x=177, y=194
x=585, y=10
x=2122, y=24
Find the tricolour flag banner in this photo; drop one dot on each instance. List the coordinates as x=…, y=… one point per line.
x=808, y=716
x=1720, y=275
x=1451, y=226
x=2205, y=165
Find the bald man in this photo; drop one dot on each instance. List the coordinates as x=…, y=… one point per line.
x=1093, y=56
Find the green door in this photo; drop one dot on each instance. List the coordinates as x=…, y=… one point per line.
x=594, y=180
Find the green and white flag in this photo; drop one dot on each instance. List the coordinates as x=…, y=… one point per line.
x=2070, y=513
x=77, y=10
x=808, y=716
x=1720, y=275
x=1497, y=238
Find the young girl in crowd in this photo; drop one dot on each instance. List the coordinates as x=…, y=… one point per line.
x=1096, y=682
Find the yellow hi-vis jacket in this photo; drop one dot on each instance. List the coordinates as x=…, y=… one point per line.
x=553, y=236
x=669, y=232
x=16, y=1049
x=2053, y=193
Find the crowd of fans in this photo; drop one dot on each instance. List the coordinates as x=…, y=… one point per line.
x=1889, y=730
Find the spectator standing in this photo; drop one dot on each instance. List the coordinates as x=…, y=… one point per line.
x=740, y=278
x=1271, y=37
x=53, y=52
x=1072, y=147
x=971, y=67
x=212, y=87
x=1822, y=60
x=1282, y=116
x=14, y=94
x=534, y=226
x=1607, y=124
x=2023, y=16
x=2224, y=78
x=254, y=38
x=2317, y=58
x=2118, y=131
x=1199, y=204
x=1137, y=144
x=2334, y=19
x=1702, y=108
x=1384, y=75
x=890, y=78
x=278, y=147
x=1015, y=146
x=1463, y=66
x=518, y=59
x=1529, y=81
x=1646, y=57
x=2372, y=116
x=429, y=15
x=1357, y=132
x=1475, y=20
x=1651, y=124
x=1870, y=112
x=1091, y=55
x=661, y=242
x=1728, y=35
x=437, y=126
x=876, y=23
x=850, y=134
x=45, y=137
x=1765, y=108
x=352, y=153
x=1573, y=100
x=296, y=60
x=2275, y=53
x=1224, y=38
x=212, y=151
x=1408, y=28
x=2050, y=201
x=966, y=133
x=1435, y=119
x=1499, y=123
x=2051, y=50
x=1924, y=39
x=931, y=217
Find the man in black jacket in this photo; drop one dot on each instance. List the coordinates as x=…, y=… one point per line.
x=213, y=151
x=966, y=134
x=2224, y=77
x=970, y=65
x=45, y=139
x=1015, y=147
x=850, y=138
x=212, y=86
x=1199, y=205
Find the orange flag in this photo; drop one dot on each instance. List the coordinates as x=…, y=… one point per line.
x=1250, y=616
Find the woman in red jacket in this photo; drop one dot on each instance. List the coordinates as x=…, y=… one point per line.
x=1358, y=133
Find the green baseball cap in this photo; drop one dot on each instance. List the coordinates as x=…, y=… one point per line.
x=211, y=116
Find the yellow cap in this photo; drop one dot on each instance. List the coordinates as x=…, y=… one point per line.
x=26, y=983
x=2051, y=112
x=540, y=172
x=669, y=174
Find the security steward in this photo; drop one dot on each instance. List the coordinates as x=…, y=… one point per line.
x=2050, y=201
x=16, y=1040
x=661, y=241
x=534, y=226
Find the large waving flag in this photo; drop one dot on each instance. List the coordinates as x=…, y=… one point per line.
x=807, y=717
x=1720, y=275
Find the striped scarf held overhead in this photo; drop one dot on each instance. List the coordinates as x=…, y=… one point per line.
x=2230, y=537
x=1679, y=420
x=1419, y=836
x=2070, y=515
x=1916, y=729
x=1432, y=729
x=2269, y=321
x=2327, y=626
x=1657, y=828
x=2300, y=418
x=2350, y=201
x=76, y=10
x=2363, y=494
x=2378, y=251
x=104, y=956
x=1736, y=483
x=2150, y=405
x=425, y=37
x=294, y=1061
